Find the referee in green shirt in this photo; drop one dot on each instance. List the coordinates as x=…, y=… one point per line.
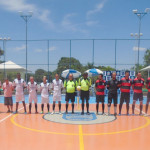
x=70, y=87
x=85, y=84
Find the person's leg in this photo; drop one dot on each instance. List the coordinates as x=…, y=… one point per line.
x=103, y=107
x=147, y=104
x=115, y=104
x=59, y=105
x=97, y=107
x=133, y=106
x=67, y=103
x=87, y=105
x=109, y=102
x=121, y=103
x=54, y=106
x=82, y=105
x=127, y=103
x=17, y=103
x=36, y=108
x=73, y=107
x=8, y=108
x=42, y=107
x=48, y=106
x=134, y=102
x=141, y=107
x=24, y=105
x=30, y=105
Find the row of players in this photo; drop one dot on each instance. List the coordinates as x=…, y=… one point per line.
x=83, y=86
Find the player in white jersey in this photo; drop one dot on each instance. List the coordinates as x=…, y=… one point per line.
x=44, y=88
x=19, y=84
x=32, y=88
x=57, y=86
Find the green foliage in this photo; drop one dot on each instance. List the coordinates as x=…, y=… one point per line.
x=147, y=57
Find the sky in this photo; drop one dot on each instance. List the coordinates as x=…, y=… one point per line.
x=74, y=19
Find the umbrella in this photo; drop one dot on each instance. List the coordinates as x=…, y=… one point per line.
x=94, y=72
x=65, y=73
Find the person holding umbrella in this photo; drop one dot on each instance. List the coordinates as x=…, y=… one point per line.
x=70, y=87
x=85, y=84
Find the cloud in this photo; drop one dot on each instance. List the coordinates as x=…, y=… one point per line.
x=91, y=23
x=68, y=25
x=22, y=5
x=97, y=9
x=21, y=48
x=53, y=48
x=38, y=50
x=140, y=48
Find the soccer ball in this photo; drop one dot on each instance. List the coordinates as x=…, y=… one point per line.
x=78, y=88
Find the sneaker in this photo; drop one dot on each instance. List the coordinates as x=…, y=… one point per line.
x=36, y=112
x=133, y=114
x=8, y=111
x=88, y=113
x=108, y=114
x=25, y=112
x=72, y=112
x=140, y=114
x=146, y=115
x=41, y=112
x=60, y=113
x=115, y=114
x=119, y=114
x=15, y=112
x=52, y=112
x=128, y=114
x=82, y=113
x=48, y=112
x=96, y=113
x=29, y=112
x=66, y=112
x=103, y=114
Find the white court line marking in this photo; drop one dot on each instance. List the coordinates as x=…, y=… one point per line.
x=10, y=115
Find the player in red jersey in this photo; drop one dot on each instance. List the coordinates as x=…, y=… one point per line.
x=137, y=86
x=125, y=85
x=100, y=87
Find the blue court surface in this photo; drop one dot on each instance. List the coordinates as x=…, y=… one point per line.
x=92, y=99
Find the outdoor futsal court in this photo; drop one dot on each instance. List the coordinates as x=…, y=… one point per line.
x=73, y=132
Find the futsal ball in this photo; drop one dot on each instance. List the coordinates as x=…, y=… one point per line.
x=78, y=88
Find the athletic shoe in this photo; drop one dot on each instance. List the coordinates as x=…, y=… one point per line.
x=36, y=112
x=115, y=114
x=133, y=114
x=41, y=112
x=30, y=112
x=25, y=112
x=11, y=111
x=128, y=114
x=103, y=114
x=60, y=113
x=140, y=114
x=66, y=112
x=108, y=114
x=146, y=115
x=88, y=113
x=15, y=112
x=82, y=113
x=52, y=112
x=96, y=113
x=119, y=114
x=8, y=111
x=48, y=112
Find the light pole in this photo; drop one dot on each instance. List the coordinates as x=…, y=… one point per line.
x=4, y=49
x=140, y=15
x=26, y=17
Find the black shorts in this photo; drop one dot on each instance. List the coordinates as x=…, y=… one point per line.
x=112, y=96
x=148, y=97
x=100, y=98
x=137, y=96
x=70, y=96
x=125, y=97
x=84, y=95
x=8, y=101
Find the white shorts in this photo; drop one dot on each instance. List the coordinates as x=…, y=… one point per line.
x=45, y=100
x=32, y=98
x=20, y=98
x=57, y=98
